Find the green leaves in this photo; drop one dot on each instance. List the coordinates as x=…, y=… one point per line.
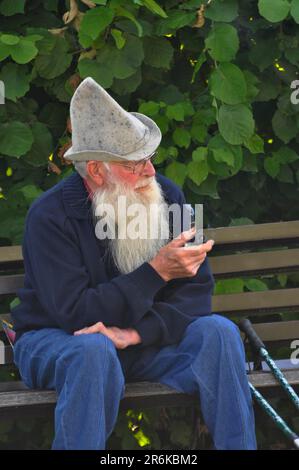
x=229, y=286
x=274, y=10
x=175, y=20
x=120, y=11
x=228, y=84
x=112, y=63
x=179, y=111
x=219, y=10
x=16, y=81
x=177, y=172
x=272, y=166
x=224, y=155
x=255, y=144
x=9, y=7
x=154, y=8
x=53, y=58
x=9, y=39
x=16, y=139
x=237, y=285
x=222, y=42
x=30, y=192
x=198, y=168
x=181, y=137
x=42, y=146
x=150, y=108
x=284, y=126
x=125, y=87
x=224, y=159
x=92, y=68
x=94, y=22
x=158, y=52
x=295, y=10
x=277, y=166
x=236, y=123
x=22, y=49
x=263, y=53
x=120, y=41
x=175, y=111
x=286, y=155
x=255, y=285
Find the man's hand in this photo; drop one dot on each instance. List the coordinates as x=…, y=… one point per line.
x=175, y=260
x=121, y=338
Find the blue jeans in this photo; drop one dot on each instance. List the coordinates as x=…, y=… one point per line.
x=87, y=373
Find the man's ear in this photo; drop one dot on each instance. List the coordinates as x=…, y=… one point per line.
x=95, y=171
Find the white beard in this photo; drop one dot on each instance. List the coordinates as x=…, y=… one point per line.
x=128, y=254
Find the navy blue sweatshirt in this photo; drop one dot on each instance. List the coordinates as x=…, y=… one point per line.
x=71, y=283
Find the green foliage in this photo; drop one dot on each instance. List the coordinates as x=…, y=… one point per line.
x=222, y=42
x=220, y=94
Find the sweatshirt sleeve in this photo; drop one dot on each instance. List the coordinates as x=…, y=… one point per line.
x=183, y=301
x=59, y=277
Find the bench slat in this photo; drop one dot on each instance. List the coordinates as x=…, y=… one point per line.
x=254, y=233
x=137, y=394
x=221, y=235
x=255, y=263
x=222, y=266
x=10, y=284
x=266, y=379
x=6, y=355
x=277, y=331
x=9, y=254
x=268, y=332
x=257, y=302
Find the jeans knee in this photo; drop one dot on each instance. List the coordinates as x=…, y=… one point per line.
x=90, y=351
x=216, y=324
x=227, y=325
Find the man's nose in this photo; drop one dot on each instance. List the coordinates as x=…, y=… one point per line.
x=149, y=169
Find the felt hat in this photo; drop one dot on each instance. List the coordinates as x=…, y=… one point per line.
x=103, y=130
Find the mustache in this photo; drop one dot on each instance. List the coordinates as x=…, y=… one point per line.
x=146, y=182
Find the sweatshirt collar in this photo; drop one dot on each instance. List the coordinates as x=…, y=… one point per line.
x=76, y=195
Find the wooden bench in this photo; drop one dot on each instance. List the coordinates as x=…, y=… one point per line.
x=245, y=251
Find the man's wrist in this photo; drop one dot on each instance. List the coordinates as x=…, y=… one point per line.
x=135, y=337
x=161, y=274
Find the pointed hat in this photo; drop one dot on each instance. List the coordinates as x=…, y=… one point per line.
x=103, y=130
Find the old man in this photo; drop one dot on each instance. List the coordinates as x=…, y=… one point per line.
x=97, y=311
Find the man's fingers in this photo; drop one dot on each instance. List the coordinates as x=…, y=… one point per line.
x=96, y=328
x=110, y=334
x=183, y=237
x=196, y=250
x=80, y=332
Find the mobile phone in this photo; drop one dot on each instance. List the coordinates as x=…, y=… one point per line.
x=198, y=239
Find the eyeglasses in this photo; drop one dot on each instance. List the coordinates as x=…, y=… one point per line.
x=137, y=168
